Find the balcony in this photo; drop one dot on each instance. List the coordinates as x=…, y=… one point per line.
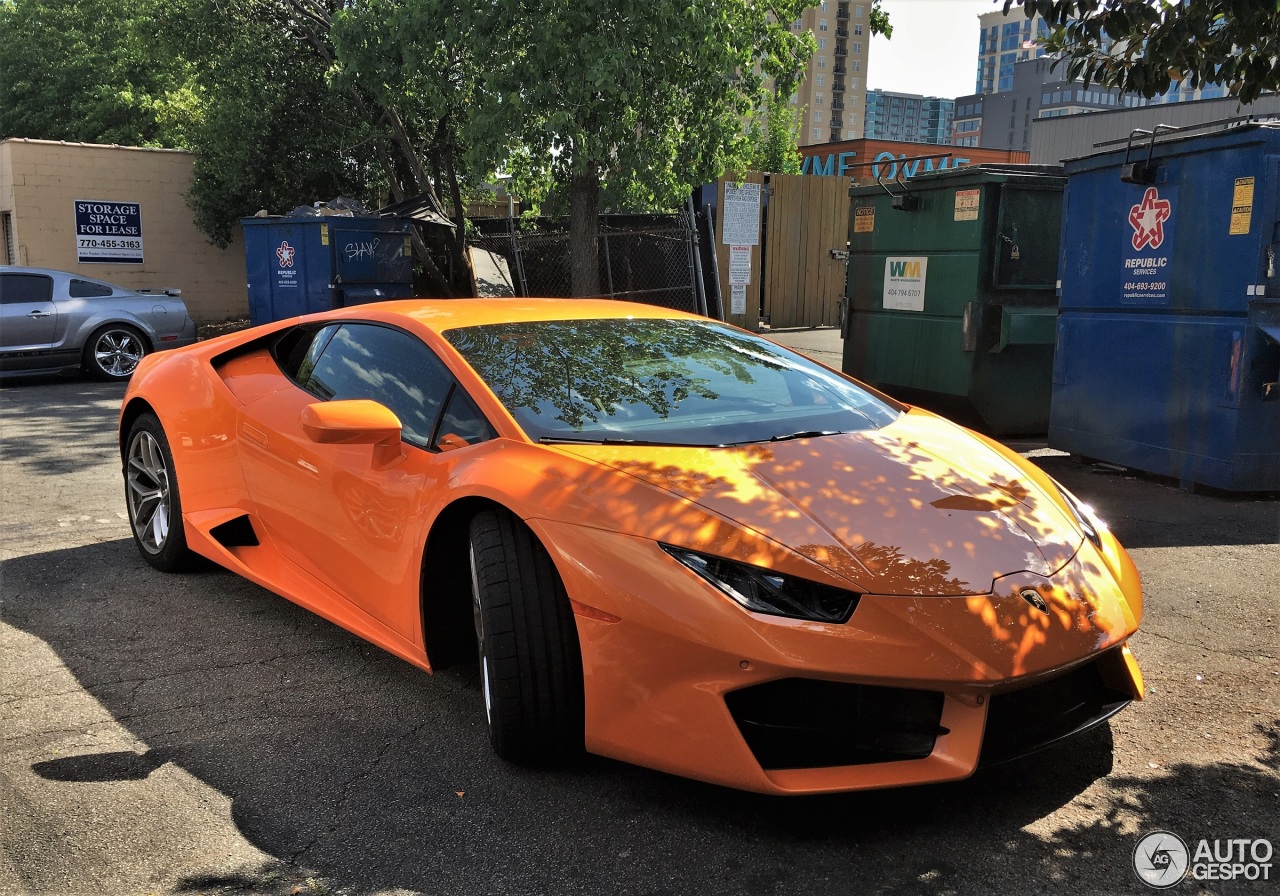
x=837, y=106
x=837, y=86
x=836, y=123
x=840, y=50
x=839, y=69
x=841, y=31
x=842, y=15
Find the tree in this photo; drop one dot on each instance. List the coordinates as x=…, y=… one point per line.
x=775, y=135
x=84, y=71
x=289, y=115
x=649, y=94
x=1146, y=46
x=274, y=134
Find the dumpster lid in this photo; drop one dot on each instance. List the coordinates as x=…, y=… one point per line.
x=423, y=208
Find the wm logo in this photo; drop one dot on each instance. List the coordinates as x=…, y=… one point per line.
x=904, y=269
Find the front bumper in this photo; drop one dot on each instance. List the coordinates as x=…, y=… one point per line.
x=667, y=663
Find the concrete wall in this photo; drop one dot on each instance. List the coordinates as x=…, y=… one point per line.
x=40, y=181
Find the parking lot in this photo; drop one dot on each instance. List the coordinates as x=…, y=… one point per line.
x=197, y=734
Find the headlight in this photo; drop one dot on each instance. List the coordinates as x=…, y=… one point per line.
x=765, y=591
x=1088, y=520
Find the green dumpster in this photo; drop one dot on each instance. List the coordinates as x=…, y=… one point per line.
x=950, y=301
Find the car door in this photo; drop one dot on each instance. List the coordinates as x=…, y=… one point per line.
x=28, y=318
x=353, y=523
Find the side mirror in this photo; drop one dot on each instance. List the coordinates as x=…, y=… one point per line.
x=356, y=422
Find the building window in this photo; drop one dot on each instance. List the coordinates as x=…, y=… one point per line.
x=850, y=135
x=817, y=134
x=796, y=25
x=822, y=80
x=857, y=46
x=817, y=98
x=817, y=115
x=857, y=65
x=853, y=83
x=822, y=24
x=825, y=5
x=859, y=12
x=857, y=31
x=822, y=62
x=822, y=43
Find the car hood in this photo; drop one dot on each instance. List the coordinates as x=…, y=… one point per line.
x=920, y=507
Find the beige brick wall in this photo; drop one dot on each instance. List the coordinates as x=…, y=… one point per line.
x=40, y=181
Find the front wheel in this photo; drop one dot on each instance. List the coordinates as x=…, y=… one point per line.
x=151, y=493
x=113, y=352
x=530, y=660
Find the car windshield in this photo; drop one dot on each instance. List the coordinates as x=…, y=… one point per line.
x=669, y=382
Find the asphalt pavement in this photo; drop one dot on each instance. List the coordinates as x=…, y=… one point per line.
x=195, y=734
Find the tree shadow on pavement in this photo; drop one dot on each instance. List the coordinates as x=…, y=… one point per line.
x=340, y=758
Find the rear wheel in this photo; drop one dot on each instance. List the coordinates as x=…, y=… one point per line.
x=151, y=493
x=113, y=352
x=530, y=661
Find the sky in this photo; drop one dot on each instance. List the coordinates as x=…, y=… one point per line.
x=934, y=50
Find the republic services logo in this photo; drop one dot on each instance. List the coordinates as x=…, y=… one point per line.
x=1147, y=219
x=286, y=252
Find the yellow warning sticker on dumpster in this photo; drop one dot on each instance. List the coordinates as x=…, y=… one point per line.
x=324, y=234
x=967, y=204
x=864, y=219
x=1241, y=206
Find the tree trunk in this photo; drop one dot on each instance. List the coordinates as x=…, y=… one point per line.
x=584, y=258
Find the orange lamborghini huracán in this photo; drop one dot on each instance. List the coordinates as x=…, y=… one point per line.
x=663, y=539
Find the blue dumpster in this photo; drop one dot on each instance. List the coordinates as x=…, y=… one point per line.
x=1168, y=335
x=300, y=265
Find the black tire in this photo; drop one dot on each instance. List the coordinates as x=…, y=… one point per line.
x=151, y=494
x=530, y=660
x=113, y=352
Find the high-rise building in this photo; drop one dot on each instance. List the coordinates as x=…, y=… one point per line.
x=1018, y=84
x=909, y=117
x=1005, y=39
x=833, y=91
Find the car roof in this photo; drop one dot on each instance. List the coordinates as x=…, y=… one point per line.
x=440, y=315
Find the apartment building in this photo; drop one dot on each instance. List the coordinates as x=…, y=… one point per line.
x=833, y=91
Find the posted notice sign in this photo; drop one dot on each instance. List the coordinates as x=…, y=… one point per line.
x=108, y=232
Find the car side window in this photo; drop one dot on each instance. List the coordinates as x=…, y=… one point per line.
x=463, y=418
x=383, y=364
x=16, y=289
x=87, y=289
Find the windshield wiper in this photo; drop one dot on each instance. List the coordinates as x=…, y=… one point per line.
x=802, y=434
x=564, y=440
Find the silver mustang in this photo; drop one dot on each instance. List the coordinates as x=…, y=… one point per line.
x=53, y=322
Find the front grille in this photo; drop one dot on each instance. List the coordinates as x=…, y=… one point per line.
x=1032, y=718
x=803, y=723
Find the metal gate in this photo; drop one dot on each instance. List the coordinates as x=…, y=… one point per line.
x=643, y=258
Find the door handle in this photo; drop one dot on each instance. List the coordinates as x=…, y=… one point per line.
x=37, y=314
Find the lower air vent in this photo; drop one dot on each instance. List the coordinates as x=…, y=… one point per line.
x=802, y=723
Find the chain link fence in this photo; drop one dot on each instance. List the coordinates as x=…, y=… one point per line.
x=643, y=258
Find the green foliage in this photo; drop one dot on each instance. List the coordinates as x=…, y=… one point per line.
x=1146, y=46
x=275, y=133
x=87, y=71
x=647, y=95
x=775, y=133
x=880, y=21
